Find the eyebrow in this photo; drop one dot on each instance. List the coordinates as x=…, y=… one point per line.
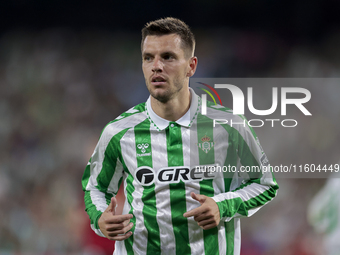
x=146, y=54
x=162, y=54
x=169, y=53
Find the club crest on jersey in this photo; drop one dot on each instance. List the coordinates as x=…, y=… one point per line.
x=205, y=145
x=142, y=147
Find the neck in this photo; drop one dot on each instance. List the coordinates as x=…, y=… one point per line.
x=173, y=109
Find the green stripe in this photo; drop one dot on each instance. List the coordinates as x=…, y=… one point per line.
x=235, y=205
x=242, y=149
x=238, y=148
x=129, y=190
x=143, y=146
x=222, y=109
x=103, y=179
x=109, y=162
x=231, y=160
x=86, y=176
x=139, y=108
x=331, y=212
x=226, y=109
x=230, y=235
x=206, y=157
x=90, y=208
x=231, y=206
x=177, y=190
x=261, y=199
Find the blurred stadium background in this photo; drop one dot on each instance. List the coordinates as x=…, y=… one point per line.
x=69, y=67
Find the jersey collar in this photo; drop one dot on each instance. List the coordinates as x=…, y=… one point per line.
x=185, y=121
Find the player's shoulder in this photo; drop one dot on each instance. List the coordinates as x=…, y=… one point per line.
x=138, y=109
x=220, y=111
x=127, y=119
x=224, y=117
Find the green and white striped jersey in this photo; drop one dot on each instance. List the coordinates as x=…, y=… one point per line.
x=160, y=163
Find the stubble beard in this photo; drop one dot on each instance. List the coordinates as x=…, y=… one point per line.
x=169, y=93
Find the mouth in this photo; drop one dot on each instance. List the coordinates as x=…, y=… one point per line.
x=157, y=80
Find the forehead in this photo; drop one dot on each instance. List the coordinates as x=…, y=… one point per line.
x=155, y=43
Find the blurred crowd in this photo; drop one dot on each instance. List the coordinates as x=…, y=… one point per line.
x=59, y=88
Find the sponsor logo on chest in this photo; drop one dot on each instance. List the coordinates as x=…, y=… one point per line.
x=146, y=176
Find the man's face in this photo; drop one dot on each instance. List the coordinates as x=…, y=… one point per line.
x=165, y=67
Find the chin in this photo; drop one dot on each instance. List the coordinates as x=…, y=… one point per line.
x=162, y=96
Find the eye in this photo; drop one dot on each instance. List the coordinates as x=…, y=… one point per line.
x=147, y=58
x=168, y=57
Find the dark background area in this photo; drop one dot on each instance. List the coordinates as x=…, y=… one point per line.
x=294, y=20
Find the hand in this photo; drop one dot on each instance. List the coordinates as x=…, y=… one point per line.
x=113, y=226
x=207, y=215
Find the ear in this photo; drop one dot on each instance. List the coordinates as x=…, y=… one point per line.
x=192, y=66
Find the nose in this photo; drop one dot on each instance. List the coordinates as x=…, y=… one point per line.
x=157, y=65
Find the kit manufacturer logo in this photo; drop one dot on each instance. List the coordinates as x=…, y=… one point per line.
x=143, y=147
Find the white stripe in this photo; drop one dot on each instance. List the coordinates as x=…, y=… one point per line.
x=162, y=192
x=98, y=199
x=239, y=194
x=113, y=186
x=239, y=177
x=190, y=158
x=127, y=206
x=267, y=178
x=218, y=185
x=244, y=131
x=131, y=110
x=221, y=144
x=251, y=191
x=140, y=235
x=126, y=210
x=119, y=245
x=129, y=156
x=217, y=106
x=221, y=137
x=120, y=248
x=237, y=236
x=249, y=139
x=97, y=231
